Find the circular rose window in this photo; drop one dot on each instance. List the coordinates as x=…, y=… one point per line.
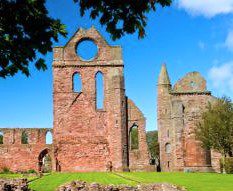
x=87, y=50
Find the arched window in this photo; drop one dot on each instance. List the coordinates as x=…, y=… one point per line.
x=77, y=83
x=183, y=109
x=1, y=137
x=24, y=137
x=168, y=148
x=134, y=142
x=99, y=82
x=49, y=138
x=183, y=113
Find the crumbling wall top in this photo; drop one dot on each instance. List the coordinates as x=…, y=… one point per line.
x=106, y=54
x=192, y=82
x=134, y=113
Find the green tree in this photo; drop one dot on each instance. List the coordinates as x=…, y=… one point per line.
x=215, y=130
x=24, y=138
x=153, y=144
x=134, y=138
x=26, y=28
x=121, y=16
x=1, y=138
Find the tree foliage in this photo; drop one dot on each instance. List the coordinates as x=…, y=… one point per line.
x=121, y=16
x=1, y=138
x=153, y=144
x=215, y=131
x=134, y=138
x=24, y=138
x=26, y=29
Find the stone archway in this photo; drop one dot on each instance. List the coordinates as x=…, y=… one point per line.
x=45, y=161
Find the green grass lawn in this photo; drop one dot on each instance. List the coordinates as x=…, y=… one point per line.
x=191, y=181
x=9, y=176
x=51, y=182
x=14, y=176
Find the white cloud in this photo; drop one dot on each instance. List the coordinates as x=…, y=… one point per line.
x=201, y=45
x=229, y=41
x=221, y=78
x=206, y=8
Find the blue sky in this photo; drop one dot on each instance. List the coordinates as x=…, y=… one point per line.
x=191, y=35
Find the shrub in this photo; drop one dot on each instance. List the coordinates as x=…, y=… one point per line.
x=31, y=171
x=6, y=170
x=228, y=165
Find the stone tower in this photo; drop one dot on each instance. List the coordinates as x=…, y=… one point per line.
x=87, y=138
x=163, y=115
x=179, y=110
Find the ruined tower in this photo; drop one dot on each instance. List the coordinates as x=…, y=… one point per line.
x=179, y=110
x=164, y=117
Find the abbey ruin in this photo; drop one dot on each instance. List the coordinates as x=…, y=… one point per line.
x=85, y=138
x=179, y=109
x=89, y=138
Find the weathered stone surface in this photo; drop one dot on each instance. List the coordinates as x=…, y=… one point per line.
x=22, y=157
x=85, y=138
x=14, y=185
x=179, y=110
x=83, y=186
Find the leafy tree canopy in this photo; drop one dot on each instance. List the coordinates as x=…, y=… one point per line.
x=1, y=138
x=153, y=144
x=24, y=138
x=26, y=28
x=121, y=16
x=215, y=131
x=134, y=138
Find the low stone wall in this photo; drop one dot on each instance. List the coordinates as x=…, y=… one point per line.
x=83, y=186
x=14, y=185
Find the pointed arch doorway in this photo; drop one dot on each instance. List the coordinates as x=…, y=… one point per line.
x=45, y=161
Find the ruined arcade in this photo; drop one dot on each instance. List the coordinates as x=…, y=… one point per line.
x=85, y=137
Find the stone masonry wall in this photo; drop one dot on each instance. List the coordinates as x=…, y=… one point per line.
x=139, y=158
x=179, y=110
x=86, y=138
x=22, y=157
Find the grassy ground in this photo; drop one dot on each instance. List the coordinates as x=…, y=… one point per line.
x=14, y=176
x=191, y=181
x=9, y=176
x=51, y=182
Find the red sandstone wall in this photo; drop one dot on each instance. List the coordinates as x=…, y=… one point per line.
x=87, y=139
x=179, y=110
x=139, y=158
x=22, y=157
x=194, y=154
x=164, y=126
